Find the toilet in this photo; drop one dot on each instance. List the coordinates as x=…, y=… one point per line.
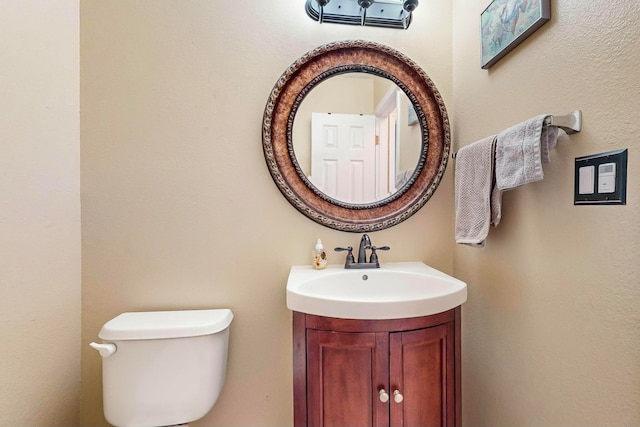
x=163, y=368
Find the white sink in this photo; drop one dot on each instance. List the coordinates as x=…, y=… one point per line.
x=395, y=290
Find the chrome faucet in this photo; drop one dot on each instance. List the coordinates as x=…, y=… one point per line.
x=365, y=243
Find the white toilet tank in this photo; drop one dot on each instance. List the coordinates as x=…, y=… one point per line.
x=164, y=367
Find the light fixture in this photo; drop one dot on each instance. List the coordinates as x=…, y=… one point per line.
x=365, y=3
x=377, y=13
x=321, y=4
x=410, y=5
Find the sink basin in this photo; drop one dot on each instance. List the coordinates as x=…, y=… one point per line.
x=395, y=290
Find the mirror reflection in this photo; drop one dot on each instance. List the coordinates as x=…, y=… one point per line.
x=356, y=138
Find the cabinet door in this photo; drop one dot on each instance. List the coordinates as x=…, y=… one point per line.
x=422, y=370
x=344, y=373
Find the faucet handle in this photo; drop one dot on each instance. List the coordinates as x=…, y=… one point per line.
x=374, y=256
x=349, y=250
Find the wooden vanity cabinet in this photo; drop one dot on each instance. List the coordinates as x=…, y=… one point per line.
x=341, y=365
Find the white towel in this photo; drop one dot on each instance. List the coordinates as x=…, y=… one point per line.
x=520, y=152
x=473, y=180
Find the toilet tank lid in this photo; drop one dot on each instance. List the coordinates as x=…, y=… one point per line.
x=149, y=325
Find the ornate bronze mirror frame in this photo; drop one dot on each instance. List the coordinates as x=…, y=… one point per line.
x=347, y=57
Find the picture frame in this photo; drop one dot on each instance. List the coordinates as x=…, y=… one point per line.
x=504, y=24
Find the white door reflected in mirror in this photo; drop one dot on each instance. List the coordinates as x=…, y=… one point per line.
x=353, y=138
x=344, y=156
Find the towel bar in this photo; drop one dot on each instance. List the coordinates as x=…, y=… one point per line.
x=570, y=123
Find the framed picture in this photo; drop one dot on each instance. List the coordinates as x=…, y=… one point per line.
x=506, y=23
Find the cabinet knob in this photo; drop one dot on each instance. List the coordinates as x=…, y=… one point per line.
x=397, y=397
x=384, y=396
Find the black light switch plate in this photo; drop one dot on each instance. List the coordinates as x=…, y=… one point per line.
x=601, y=179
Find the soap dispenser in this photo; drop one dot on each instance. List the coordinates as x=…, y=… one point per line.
x=319, y=256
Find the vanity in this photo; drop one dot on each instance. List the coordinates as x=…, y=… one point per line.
x=376, y=347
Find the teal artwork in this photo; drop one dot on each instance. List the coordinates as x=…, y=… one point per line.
x=506, y=23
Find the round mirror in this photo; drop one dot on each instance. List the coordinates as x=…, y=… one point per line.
x=314, y=137
x=356, y=138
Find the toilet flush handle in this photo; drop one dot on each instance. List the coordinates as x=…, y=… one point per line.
x=105, y=350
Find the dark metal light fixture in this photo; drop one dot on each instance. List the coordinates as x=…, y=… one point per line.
x=409, y=5
x=322, y=4
x=377, y=13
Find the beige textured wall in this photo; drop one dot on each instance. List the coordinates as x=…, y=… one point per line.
x=39, y=213
x=550, y=330
x=179, y=210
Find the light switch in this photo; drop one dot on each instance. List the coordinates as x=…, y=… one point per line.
x=607, y=178
x=586, y=180
x=601, y=179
